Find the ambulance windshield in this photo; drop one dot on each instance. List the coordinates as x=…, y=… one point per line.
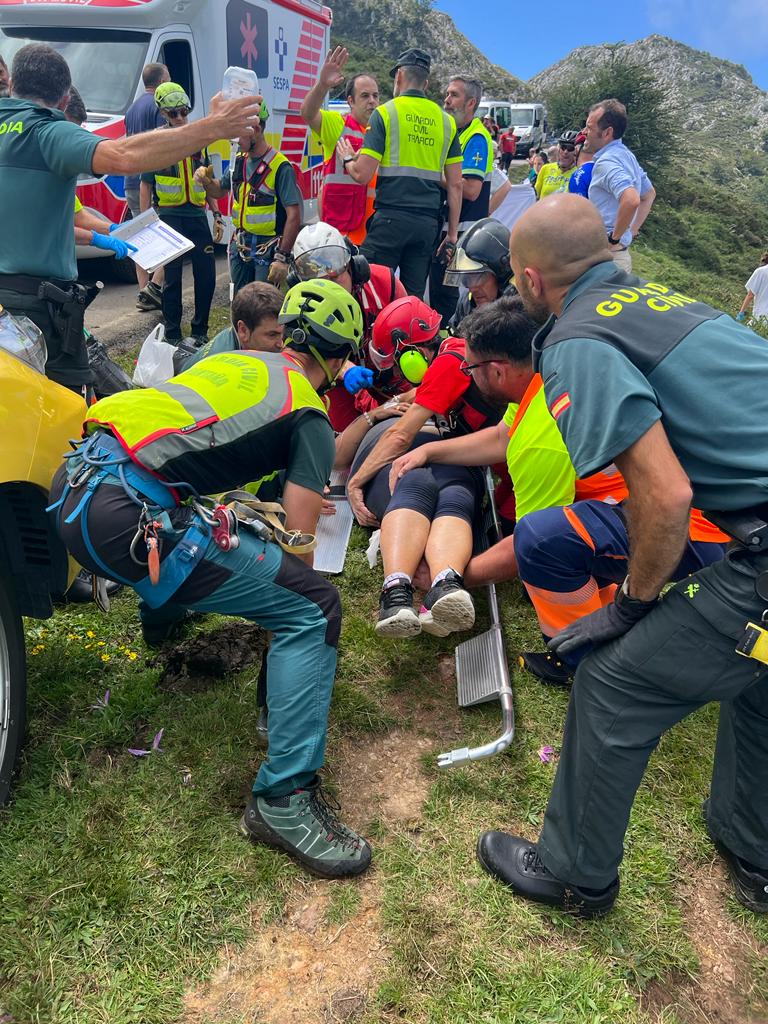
x=105, y=64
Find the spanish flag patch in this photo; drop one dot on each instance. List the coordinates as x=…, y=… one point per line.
x=560, y=405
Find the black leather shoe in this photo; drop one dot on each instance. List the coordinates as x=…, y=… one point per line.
x=547, y=668
x=749, y=881
x=515, y=862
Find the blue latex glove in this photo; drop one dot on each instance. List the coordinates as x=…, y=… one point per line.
x=113, y=227
x=115, y=245
x=356, y=378
x=741, y=315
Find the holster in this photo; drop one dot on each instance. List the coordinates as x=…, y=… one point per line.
x=67, y=312
x=748, y=526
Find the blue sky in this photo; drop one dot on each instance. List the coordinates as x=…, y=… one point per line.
x=528, y=35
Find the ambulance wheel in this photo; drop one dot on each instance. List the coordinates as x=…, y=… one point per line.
x=13, y=683
x=123, y=271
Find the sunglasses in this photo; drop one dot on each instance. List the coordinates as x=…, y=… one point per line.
x=178, y=112
x=567, y=147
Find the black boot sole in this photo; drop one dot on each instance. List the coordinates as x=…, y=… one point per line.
x=262, y=833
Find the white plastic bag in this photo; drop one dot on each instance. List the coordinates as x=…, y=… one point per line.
x=155, y=363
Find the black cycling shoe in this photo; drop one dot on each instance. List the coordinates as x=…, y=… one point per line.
x=81, y=590
x=516, y=862
x=397, y=616
x=547, y=668
x=750, y=882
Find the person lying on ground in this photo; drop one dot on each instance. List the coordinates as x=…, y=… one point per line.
x=570, y=546
x=445, y=393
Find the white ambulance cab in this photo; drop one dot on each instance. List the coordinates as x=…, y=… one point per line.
x=107, y=43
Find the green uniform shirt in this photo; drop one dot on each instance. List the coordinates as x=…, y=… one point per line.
x=225, y=341
x=625, y=352
x=416, y=188
x=41, y=155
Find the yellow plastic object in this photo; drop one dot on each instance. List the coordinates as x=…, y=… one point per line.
x=37, y=419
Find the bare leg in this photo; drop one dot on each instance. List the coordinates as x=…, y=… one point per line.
x=404, y=535
x=449, y=545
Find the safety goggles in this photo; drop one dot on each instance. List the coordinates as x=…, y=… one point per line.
x=462, y=266
x=177, y=112
x=472, y=278
x=328, y=261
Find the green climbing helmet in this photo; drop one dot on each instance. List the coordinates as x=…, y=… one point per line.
x=170, y=96
x=322, y=315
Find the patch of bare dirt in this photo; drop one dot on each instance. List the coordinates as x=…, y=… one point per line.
x=718, y=995
x=203, y=660
x=300, y=970
x=381, y=777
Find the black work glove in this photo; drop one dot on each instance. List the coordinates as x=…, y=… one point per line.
x=605, y=624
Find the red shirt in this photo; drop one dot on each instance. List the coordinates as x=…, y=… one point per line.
x=508, y=142
x=443, y=385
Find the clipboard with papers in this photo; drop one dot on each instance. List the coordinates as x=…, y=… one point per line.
x=157, y=243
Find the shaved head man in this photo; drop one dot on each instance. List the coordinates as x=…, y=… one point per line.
x=552, y=245
x=674, y=394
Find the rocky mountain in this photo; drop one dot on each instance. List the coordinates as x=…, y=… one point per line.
x=386, y=27
x=714, y=98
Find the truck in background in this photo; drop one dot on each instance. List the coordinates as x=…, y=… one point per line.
x=529, y=121
x=107, y=43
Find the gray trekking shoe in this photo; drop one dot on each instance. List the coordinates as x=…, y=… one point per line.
x=304, y=824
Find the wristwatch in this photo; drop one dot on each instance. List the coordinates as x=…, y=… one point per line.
x=612, y=240
x=282, y=256
x=347, y=160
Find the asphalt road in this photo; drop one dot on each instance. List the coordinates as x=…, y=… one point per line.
x=113, y=317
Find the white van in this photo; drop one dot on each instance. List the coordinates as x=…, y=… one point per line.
x=529, y=121
x=107, y=43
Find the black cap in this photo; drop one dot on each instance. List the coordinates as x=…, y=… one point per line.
x=413, y=58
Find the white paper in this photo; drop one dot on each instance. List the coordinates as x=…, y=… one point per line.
x=157, y=242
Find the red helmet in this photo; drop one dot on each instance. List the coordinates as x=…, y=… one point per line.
x=406, y=321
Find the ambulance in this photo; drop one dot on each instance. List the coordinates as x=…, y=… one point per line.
x=107, y=43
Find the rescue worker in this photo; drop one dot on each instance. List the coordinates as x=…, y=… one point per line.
x=556, y=175
x=461, y=101
x=343, y=203
x=676, y=394
x=481, y=266
x=266, y=209
x=181, y=204
x=4, y=79
x=321, y=252
x=443, y=392
x=570, y=546
x=255, y=324
x=148, y=454
x=38, y=269
x=413, y=146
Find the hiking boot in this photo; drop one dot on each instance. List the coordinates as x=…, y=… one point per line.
x=149, y=298
x=750, y=882
x=304, y=824
x=547, y=668
x=198, y=340
x=397, y=617
x=447, y=607
x=81, y=588
x=516, y=862
x=158, y=634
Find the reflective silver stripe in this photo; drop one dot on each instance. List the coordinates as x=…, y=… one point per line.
x=410, y=172
x=196, y=406
x=171, y=190
x=393, y=138
x=232, y=426
x=447, y=123
x=260, y=218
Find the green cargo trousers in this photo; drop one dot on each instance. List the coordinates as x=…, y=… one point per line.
x=630, y=691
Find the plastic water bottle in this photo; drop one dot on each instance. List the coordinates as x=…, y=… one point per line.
x=239, y=82
x=23, y=339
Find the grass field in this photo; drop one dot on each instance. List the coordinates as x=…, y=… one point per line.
x=128, y=895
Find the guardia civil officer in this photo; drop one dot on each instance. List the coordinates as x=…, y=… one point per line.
x=415, y=147
x=127, y=502
x=675, y=393
x=41, y=155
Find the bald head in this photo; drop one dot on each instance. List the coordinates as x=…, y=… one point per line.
x=562, y=236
